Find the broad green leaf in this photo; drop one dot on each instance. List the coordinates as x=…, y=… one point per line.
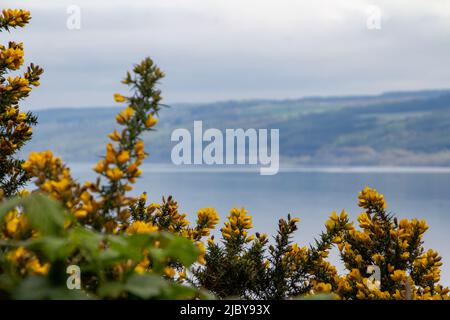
x=44, y=214
x=110, y=290
x=125, y=247
x=182, y=249
x=146, y=286
x=85, y=238
x=176, y=291
x=40, y=288
x=109, y=257
x=54, y=248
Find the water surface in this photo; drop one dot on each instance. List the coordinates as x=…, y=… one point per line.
x=310, y=194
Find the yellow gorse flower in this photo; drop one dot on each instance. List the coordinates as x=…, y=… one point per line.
x=123, y=156
x=114, y=174
x=14, y=18
x=125, y=115
x=398, y=275
x=16, y=224
x=141, y=227
x=237, y=225
x=143, y=265
x=322, y=288
x=12, y=57
x=170, y=272
x=115, y=136
x=25, y=258
x=335, y=220
x=119, y=98
x=151, y=121
x=37, y=268
x=202, y=249
x=207, y=219
x=370, y=198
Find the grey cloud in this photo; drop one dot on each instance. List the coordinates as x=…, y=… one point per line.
x=219, y=51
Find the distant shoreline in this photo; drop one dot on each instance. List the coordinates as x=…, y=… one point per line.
x=170, y=168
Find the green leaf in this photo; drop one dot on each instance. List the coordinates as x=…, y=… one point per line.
x=110, y=257
x=126, y=246
x=86, y=239
x=110, y=290
x=7, y=283
x=182, y=249
x=40, y=288
x=176, y=291
x=44, y=214
x=54, y=248
x=145, y=286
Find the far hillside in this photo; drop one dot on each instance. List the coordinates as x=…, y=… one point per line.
x=391, y=129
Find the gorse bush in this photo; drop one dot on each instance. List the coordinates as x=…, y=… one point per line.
x=247, y=266
x=127, y=248
x=407, y=271
x=91, y=225
x=15, y=126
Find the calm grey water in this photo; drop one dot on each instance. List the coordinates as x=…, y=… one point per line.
x=309, y=195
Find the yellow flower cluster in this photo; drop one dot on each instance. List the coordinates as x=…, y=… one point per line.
x=87, y=205
x=43, y=165
x=139, y=227
x=370, y=198
x=237, y=225
x=143, y=265
x=14, y=18
x=125, y=115
x=15, y=226
x=168, y=217
x=295, y=257
x=335, y=220
x=54, y=179
x=115, y=165
x=202, y=248
x=428, y=265
x=27, y=262
x=359, y=287
x=395, y=248
x=409, y=229
x=321, y=287
x=165, y=217
x=11, y=57
x=52, y=176
x=207, y=219
x=16, y=87
x=18, y=127
x=356, y=285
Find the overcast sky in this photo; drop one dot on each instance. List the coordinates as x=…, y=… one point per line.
x=236, y=49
